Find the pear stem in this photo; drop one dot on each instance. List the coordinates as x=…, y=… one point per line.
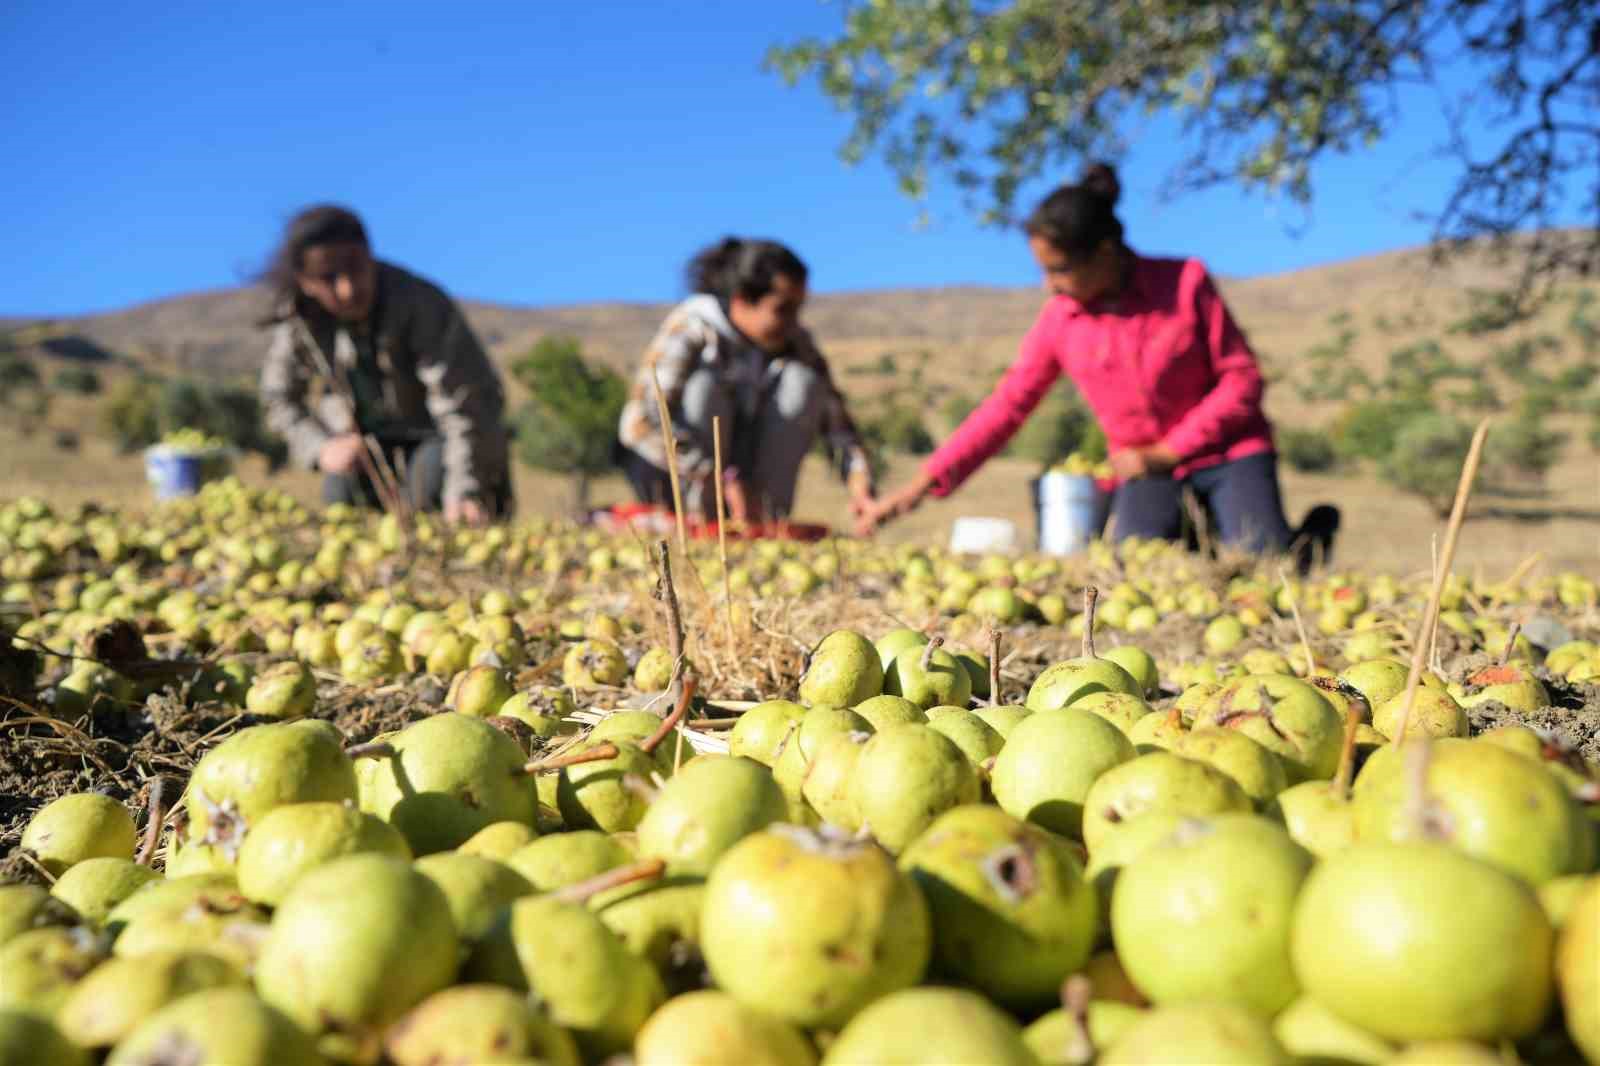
x=597, y=753
x=928, y=649
x=153, y=818
x=670, y=722
x=1091, y=596
x=1076, y=992
x=1430, y=615
x=1511, y=642
x=667, y=593
x=372, y=749
x=1347, y=753
x=1417, y=755
x=994, y=666
x=647, y=870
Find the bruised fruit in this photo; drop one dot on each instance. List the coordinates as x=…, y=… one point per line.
x=762, y=730
x=83, y=825
x=286, y=690
x=544, y=710
x=593, y=664
x=810, y=927
x=903, y=1026
x=1286, y=716
x=218, y=921
x=1159, y=781
x=1012, y=913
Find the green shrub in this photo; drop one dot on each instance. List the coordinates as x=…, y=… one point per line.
x=898, y=428
x=1490, y=311
x=1368, y=430
x=1058, y=427
x=956, y=407
x=1426, y=458
x=139, y=411
x=1522, y=447
x=80, y=379
x=570, y=420
x=1479, y=395
x=16, y=372
x=1307, y=450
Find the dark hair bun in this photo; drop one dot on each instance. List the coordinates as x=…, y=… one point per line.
x=1101, y=180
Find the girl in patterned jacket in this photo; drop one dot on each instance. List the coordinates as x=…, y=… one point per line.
x=735, y=355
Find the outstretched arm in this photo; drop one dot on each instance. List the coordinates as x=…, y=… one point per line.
x=982, y=433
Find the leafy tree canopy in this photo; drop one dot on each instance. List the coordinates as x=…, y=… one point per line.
x=997, y=93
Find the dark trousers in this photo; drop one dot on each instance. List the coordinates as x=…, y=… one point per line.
x=419, y=465
x=1241, y=501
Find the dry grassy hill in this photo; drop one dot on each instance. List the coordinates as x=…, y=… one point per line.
x=1304, y=323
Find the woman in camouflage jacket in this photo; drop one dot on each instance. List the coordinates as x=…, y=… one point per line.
x=362, y=347
x=734, y=354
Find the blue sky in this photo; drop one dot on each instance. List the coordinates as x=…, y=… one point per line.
x=532, y=152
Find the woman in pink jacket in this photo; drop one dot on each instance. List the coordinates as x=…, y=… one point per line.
x=1155, y=353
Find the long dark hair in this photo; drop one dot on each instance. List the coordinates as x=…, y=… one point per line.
x=319, y=224
x=743, y=267
x=1078, y=218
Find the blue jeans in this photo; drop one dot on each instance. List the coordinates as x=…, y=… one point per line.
x=1241, y=500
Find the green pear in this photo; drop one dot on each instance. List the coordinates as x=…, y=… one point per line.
x=40, y=967
x=1204, y=915
x=28, y=1039
x=1139, y=664
x=1118, y=708
x=218, y=1025
x=450, y=776
x=1308, y=1030
x=829, y=785
x=1050, y=760
x=1258, y=771
x=818, y=723
x=1068, y=681
x=481, y=691
x=357, y=942
x=1012, y=913
x=881, y=712
x=591, y=664
x=1434, y=713
x=1002, y=719
x=845, y=670
x=763, y=728
x=1159, y=781
x=710, y=1026
x=1578, y=969
x=903, y=1026
x=82, y=825
x=121, y=993
x=930, y=677
x=499, y=840
x=905, y=777
x=544, y=710
x=94, y=886
x=562, y=859
x=286, y=690
x=476, y=888
x=290, y=840
x=707, y=808
x=810, y=927
x=1196, y=1034
x=977, y=740
x=25, y=907
x=1318, y=819
x=1458, y=950
x=1284, y=715
x=471, y=1024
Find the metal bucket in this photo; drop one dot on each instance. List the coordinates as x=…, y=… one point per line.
x=175, y=472
x=1070, y=510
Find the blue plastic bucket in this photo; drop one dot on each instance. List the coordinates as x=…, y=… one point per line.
x=173, y=473
x=1070, y=510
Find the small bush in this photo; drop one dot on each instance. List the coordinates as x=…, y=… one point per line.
x=1426, y=458
x=1522, y=447
x=1477, y=396
x=79, y=379
x=898, y=428
x=1489, y=312
x=1307, y=450
x=1368, y=430
x=16, y=371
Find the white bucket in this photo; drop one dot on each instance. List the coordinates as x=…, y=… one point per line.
x=1068, y=508
x=983, y=536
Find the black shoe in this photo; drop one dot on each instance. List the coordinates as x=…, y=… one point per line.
x=1312, y=543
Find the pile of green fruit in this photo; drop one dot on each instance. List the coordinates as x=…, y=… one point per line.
x=1176, y=837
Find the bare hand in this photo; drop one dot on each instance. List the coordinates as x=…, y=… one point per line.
x=1128, y=464
x=875, y=513
x=339, y=455
x=467, y=512
x=737, y=502
x=861, y=497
